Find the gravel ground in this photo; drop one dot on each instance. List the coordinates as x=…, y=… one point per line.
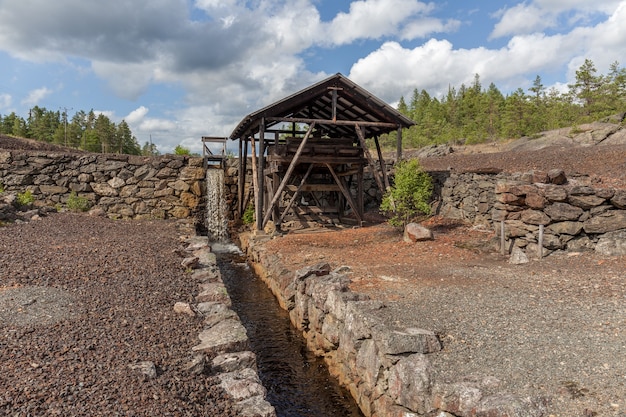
x=82, y=300
x=553, y=329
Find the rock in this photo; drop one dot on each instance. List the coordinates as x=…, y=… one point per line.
x=146, y=368
x=97, y=212
x=619, y=199
x=242, y=384
x=196, y=366
x=256, y=406
x=184, y=308
x=230, y=362
x=518, y=257
x=213, y=291
x=226, y=336
x=190, y=263
x=409, y=382
x=568, y=228
x=557, y=176
x=403, y=341
x=414, y=232
x=562, y=212
x=585, y=202
x=320, y=269
x=459, y=398
x=535, y=217
x=612, y=243
x=609, y=221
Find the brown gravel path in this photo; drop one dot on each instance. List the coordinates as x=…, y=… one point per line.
x=83, y=298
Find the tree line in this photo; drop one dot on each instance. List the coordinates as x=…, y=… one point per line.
x=85, y=130
x=473, y=114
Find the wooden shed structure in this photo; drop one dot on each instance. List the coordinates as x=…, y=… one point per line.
x=309, y=151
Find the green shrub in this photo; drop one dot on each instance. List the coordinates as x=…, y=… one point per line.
x=76, y=203
x=181, y=150
x=248, y=215
x=25, y=199
x=1, y=188
x=410, y=194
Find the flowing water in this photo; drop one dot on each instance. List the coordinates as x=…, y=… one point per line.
x=216, y=220
x=298, y=383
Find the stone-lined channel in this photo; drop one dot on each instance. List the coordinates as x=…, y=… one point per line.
x=298, y=383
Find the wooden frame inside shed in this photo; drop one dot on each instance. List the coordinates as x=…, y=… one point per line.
x=313, y=143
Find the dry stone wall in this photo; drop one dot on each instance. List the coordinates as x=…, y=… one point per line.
x=564, y=213
x=387, y=367
x=120, y=186
x=543, y=212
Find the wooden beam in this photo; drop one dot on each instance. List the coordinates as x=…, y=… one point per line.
x=346, y=193
x=332, y=122
x=399, y=145
x=255, y=182
x=241, y=179
x=371, y=161
x=261, y=180
x=295, y=194
x=383, y=168
x=285, y=180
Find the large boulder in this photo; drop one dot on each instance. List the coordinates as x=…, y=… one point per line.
x=414, y=232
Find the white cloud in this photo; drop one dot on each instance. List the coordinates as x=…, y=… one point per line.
x=436, y=65
x=538, y=15
x=523, y=19
x=35, y=96
x=137, y=115
x=5, y=101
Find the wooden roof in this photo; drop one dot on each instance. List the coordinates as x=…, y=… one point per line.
x=336, y=104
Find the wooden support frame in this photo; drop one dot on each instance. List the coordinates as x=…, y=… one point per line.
x=295, y=194
x=370, y=160
x=287, y=176
x=346, y=193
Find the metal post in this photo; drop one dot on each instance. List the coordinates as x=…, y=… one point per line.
x=502, y=248
x=540, y=243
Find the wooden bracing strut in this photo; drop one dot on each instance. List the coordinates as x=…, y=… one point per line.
x=287, y=176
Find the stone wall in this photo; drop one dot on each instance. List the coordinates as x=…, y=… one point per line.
x=574, y=214
x=386, y=367
x=121, y=186
x=564, y=215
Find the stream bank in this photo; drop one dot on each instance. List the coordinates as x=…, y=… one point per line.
x=374, y=348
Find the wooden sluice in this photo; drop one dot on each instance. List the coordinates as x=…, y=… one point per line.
x=309, y=153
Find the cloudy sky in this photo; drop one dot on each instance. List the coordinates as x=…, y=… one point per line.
x=176, y=70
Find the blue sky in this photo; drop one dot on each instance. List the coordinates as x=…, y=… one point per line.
x=176, y=70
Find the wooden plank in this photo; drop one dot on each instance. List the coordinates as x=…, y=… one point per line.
x=331, y=122
x=287, y=176
x=314, y=209
x=295, y=195
x=314, y=187
x=346, y=193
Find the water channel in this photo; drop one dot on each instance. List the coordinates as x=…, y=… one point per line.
x=298, y=383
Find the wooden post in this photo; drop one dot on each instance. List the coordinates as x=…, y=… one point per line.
x=261, y=177
x=502, y=248
x=287, y=176
x=540, y=243
x=255, y=183
x=399, y=145
x=383, y=167
x=240, y=181
x=361, y=137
